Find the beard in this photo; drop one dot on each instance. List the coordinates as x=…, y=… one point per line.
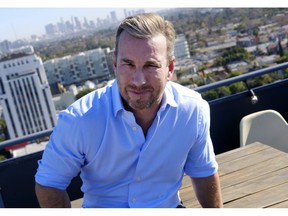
x=148, y=96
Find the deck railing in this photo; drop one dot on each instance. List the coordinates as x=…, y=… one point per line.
x=28, y=138
x=242, y=77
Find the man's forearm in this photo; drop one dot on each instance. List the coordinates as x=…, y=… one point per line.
x=208, y=191
x=51, y=197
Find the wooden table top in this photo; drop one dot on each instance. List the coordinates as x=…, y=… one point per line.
x=254, y=176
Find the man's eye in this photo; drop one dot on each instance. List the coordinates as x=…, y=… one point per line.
x=152, y=65
x=128, y=64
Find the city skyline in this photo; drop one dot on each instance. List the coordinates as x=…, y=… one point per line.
x=21, y=19
x=21, y=23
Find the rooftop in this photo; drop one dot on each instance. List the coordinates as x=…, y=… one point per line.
x=226, y=113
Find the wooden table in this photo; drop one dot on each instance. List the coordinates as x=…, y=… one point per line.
x=254, y=176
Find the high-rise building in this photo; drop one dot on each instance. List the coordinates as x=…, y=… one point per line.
x=125, y=13
x=25, y=95
x=113, y=17
x=78, y=24
x=51, y=29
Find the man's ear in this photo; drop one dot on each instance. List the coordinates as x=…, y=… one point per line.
x=171, y=68
x=114, y=60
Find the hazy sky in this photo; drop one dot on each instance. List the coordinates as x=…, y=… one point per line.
x=18, y=23
x=22, y=18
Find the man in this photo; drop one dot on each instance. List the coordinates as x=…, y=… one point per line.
x=133, y=140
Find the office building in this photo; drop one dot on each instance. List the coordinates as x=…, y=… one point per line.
x=25, y=95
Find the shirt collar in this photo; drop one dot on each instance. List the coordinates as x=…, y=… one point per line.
x=168, y=98
x=116, y=98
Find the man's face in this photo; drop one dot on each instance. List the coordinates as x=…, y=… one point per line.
x=142, y=70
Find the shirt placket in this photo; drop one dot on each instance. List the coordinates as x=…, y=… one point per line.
x=137, y=185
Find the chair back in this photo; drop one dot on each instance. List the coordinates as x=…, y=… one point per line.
x=267, y=127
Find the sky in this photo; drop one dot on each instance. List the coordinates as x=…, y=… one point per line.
x=23, y=18
x=19, y=23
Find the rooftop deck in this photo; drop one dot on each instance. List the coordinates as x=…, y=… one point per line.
x=17, y=174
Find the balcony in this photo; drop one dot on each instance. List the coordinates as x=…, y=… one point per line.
x=17, y=174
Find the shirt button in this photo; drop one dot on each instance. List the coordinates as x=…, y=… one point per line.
x=134, y=200
x=134, y=128
x=138, y=178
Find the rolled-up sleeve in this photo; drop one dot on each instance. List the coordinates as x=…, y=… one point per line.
x=201, y=161
x=62, y=158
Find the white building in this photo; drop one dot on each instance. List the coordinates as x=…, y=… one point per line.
x=181, y=48
x=25, y=95
x=266, y=60
x=76, y=69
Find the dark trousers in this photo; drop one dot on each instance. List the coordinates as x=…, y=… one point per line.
x=181, y=205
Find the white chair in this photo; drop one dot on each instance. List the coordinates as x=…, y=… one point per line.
x=267, y=127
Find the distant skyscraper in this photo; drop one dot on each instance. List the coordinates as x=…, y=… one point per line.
x=125, y=13
x=133, y=12
x=25, y=95
x=113, y=17
x=51, y=29
x=78, y=24
x=85, y=24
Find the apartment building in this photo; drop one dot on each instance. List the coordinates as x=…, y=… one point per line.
x=181, y=48
x=76, y=69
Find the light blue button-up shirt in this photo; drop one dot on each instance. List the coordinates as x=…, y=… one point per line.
x=120, y=167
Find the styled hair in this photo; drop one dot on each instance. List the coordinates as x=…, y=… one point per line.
x=147, y=25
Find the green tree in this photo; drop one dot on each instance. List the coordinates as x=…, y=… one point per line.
x=231, y=55
x=256, y=32
x=259, y=81
x=216, y=93
x=3, y=129
x=199, y=82
x=237, y=87
x=181, y=73
x=282, y=59
x=234, y=74
x=223, y=91
x=83, y=92
x=2, y=124
x=285, y=73
x=210, y=95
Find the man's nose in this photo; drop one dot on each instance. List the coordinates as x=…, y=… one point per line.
x=139, y=77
